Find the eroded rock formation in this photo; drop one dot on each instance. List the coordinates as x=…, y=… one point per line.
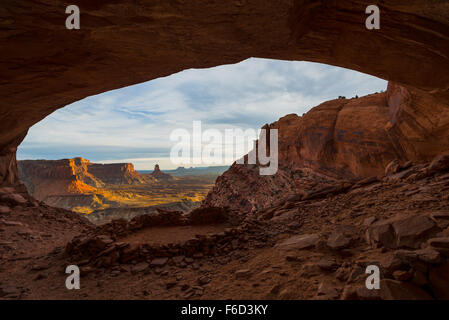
x=69, y=183
x=338, y=142
x=159, y=175
x=44, y=66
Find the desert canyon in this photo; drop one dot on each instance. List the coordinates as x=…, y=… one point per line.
x=361, y=181
x=107, y=191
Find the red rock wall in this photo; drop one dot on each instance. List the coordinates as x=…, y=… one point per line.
x=67, y=177
x=339, y=140
x=44, y=66
x=419, y=123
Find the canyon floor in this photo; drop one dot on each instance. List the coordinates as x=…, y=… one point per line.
x=316, y=248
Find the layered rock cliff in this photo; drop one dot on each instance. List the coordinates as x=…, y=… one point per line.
x=68, y=183
x=338, y=142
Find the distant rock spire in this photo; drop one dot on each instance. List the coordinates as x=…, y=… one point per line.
x=158, y=174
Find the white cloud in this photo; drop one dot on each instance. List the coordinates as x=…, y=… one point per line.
x=138, y=119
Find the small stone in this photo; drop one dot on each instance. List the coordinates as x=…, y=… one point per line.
x=189, y=293
x=369, y=221
x=170, y=284
x=11, y=292
x=356, y=274
x=439, y=242
x=292, y=258
x=381, y=232
x=178, y=259
x=203, y=280
x=40, y=266
x=184, y=287
x=102, y=241
x=439, y=163
x=140, y=267
x=338, y=241
x=10, y=223
x=392, y=167
x=349, y=293
x=327, y=264
x=85, y=270
x=195, y=266
x=440, y=215
x=429, y=255
x=299, y=242
x=327, y=290
x=14, y=199
x=6, y=190
x=159, y=262
x=342, y=274
x=243, y=274
x=402, y=275
x=4, y=209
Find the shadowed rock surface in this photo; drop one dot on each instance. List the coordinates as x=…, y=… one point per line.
x=338, y=221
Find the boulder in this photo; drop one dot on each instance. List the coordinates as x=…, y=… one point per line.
x=402, y=231
x=140, y=267
x=381, y=232
x=412, y=231
x=363, y=293
x=7, y=190
x=398, y=290
x=441, y=245
x=439, y=163
x=392, y=167
x=327, y=290
x=159, y=262
x=13, y=199
x=338, y=241
x=442, y=242
x=369, y=221
x=101, y=242
x=203, y=280
x=402, y=275
x=429, y=255
x=300, y=242
x=4, y=209
x=439, y=281
x=327, y=264
x=243, y=274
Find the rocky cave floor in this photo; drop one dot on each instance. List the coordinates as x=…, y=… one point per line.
x=302, y=249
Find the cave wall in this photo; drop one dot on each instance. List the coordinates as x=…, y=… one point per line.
x=44, y=66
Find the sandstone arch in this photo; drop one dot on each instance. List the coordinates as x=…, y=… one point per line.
x=45, y=67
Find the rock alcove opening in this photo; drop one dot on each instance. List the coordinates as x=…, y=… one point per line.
x=134, y=124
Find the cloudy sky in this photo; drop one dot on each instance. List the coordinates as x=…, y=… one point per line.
x=133, y=124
